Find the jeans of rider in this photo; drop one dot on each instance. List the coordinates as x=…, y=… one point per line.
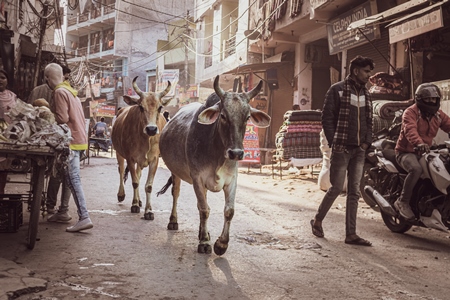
x=350, y=161
x=52, y=194
x=410, y=163
x=74, y=181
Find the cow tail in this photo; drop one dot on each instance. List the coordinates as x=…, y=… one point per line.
x=125, y=175
x=164, y=188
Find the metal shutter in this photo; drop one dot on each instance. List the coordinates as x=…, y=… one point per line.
x=382, y=44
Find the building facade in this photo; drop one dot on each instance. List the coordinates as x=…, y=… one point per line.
x=112, y=42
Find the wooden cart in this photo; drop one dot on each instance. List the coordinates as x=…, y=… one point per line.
x=40, y=157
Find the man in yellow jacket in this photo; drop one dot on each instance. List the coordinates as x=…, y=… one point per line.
x=68, y=110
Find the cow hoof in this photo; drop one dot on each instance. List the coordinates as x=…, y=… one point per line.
x=120, y=198
x=172, y=226
x=149, y=216
x=135, y=209
x=140, y=203
x=204, y=248
x=220, y=248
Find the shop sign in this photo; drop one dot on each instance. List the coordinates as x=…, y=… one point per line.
x=167, y=75
x=413, y=27
x=251, y=144
x=339, y=38
x=99, y=108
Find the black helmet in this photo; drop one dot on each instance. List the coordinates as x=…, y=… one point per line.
x=428, y=90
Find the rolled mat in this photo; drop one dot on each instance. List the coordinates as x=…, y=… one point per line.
x=386, y=109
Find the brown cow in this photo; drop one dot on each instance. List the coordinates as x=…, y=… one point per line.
x=135, y=136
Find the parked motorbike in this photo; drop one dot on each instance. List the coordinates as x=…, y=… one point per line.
x=430, y=202
x=383, y=139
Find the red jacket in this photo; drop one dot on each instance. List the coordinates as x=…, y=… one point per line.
x=418, y=130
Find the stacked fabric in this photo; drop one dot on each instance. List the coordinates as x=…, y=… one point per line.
x=387, y=87
x=299, y=136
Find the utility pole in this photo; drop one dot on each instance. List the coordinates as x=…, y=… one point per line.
x=43, y=26
x=186, y=53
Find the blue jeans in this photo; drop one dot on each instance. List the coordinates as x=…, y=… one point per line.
x=74, y=182
x=52, y=194
x=410, y=163
x=351, y=162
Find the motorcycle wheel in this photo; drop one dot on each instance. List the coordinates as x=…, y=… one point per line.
x=395, y=224
x=366, y=180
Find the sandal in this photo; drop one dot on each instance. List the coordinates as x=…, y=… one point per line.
x=359, y=242
x=317, y=230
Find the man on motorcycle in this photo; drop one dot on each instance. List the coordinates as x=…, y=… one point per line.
x=420, y=125
x=347, y=124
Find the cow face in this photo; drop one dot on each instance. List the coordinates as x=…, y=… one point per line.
x=151, y=105
x=232, y=113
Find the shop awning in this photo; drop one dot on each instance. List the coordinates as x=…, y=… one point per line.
x=418, y=13
x=419, y=22
x=402, y=8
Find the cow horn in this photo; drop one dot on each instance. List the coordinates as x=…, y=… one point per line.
x=218, y=89
x=255, y=91
x=163, y=93
x=137, y=89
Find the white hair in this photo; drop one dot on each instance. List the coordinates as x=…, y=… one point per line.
x=53, y=68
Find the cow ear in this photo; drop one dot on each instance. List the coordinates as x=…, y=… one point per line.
x=209, y=115
x=131, y=101
x=259, y=119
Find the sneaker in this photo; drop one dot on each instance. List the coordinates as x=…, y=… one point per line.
x=404, y=210
x=81, y=225
x=59, y=217
x=51, y=210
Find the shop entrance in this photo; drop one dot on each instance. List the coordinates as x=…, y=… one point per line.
x=323, y=66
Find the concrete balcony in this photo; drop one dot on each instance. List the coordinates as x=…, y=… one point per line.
x=95, y=20
x=94, y=53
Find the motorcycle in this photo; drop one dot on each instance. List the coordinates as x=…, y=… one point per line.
x=383, y=139
x=431, y=200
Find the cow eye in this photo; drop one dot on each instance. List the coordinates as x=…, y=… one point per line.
x=248, y=118
x=159, y=109
x=222, y=116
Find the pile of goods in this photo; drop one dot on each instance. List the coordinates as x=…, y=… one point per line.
x=36, y=126
x=299, y=136
x=389, y=94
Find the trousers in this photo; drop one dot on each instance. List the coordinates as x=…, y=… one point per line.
x=350, y=163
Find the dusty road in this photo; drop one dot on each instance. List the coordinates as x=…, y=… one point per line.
x=272, y=253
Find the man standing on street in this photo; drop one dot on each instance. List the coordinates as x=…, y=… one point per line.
x=347, y=124
x=68, y=110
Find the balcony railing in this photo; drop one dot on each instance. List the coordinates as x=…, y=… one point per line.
x=229, y=47
x=107, y=9
x=94, y=49
x=208, y=59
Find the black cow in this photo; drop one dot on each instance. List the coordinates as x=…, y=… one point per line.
x=202, y=145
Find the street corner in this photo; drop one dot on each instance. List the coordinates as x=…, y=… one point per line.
x=16, y=280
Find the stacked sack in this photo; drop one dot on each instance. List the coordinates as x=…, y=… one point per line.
x=299, y=136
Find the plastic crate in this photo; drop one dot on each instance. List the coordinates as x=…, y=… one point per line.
x=11, y=213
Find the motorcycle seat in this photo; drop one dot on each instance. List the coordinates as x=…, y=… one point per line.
x=389, y=154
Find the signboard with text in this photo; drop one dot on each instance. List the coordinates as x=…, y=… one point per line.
x=415, y=26
x=251, y=144
x=339, y=38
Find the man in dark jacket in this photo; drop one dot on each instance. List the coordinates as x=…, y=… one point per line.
x=347, y=124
